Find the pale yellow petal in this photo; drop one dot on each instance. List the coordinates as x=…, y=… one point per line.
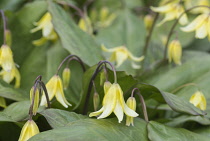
x=121, y=57
x=168, y=17
x=202, y=105
x=108, y=50
x=47, y=29
x=162, y=9
x=137, y=59
x=17, y=78
x=109, y=102
x=118, y=111
x=196, y=23
x=59, y=94
x=195, y=99
x=40, y=41
x=201, y=32
x=97, y=112
x=129, y=112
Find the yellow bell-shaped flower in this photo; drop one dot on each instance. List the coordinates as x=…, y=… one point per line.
x=29, y=129
x=172, y=10
x=131, y=102
x=148, y=20
x=120, y=54
x=66, y=77
x=175, y=52
x=113, y=101
x=36, y=100
x=55, y=88
x=85, y=24
x=201, y=26
x=8, y=76
x=46, y=26
x=198, y=99
x=6, y=58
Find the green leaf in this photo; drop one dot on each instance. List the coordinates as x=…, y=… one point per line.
x=186, y=118
x=159, y=132
x=60, y=118
x=8, y=91
x=15, y=112
x=94, y=130
x=176, y=103
x=72, y=38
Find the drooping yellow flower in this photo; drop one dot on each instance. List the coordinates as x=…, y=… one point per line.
x=131, y=102
x=55, y=88
x=198, y=99
x=85, y=24
x=103, y=18
x=29, y=129
x=66, y=77
x=201, y=26
x=172, y=10
x=120, y=54
x=113, y=101
x=36, y=100
x=46, y=26
x=175, y=52
x=8, y=76
x=148, y=20
x=192, y=3
x=6, y=58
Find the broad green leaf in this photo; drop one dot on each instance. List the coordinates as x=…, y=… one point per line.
x=72, y=38
x=11, y=4
x=8, y=91
x=168, y=79
x=186, y=118
x=60, y=118
x=93, y=129
x=203, y=131
x=176, y=103
x=160, y=132
x=15, y=112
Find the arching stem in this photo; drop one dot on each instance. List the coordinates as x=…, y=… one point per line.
x=144, y=108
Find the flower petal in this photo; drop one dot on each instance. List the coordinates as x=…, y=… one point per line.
x=162, y=9
x=121, y=56
x=129, y=112
x=118, y=111
x=201, y=32
x=196, y=23
x=109, y=102
x=96, y=113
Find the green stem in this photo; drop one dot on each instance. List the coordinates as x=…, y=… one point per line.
x=4, y=25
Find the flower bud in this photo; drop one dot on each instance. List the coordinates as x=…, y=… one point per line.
x=8, y=37
x=36, y=99
x=96, y=101
x=198, y=100
x=6, y=58
x=66, y=77
x=29, y=129
x=131, y=103
x=175, y=52
x=148, y=20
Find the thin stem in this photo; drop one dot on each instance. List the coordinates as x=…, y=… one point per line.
x=149, y=35
x=144, y=108
x=72, y=6
x=174, y=25
x=75, y=58
x=85, y=108
x=4, y=25
x=46, y=93
x=182, y=86
x=38, y=78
